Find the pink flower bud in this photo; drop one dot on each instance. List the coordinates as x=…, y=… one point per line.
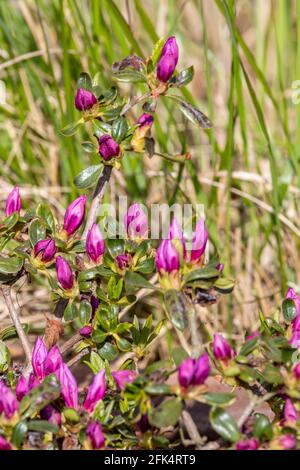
x=64, y=273
x=199, y=240
x=221, y=348
x=201, y=369
x=84, y=99
x=295, y=339
x=290, y=412
x=145, y=120
x=108, y=147
x=4, y=444
x=96, y=391
x=124, y=377
x=168, y=60
x=95, y=435
x=86, y=331
x=175, y=233
x=136, y=223
x=95, y=244
x=288, y=441
x=167, y=257
x=291, y=294
x=220, y=267
x=39, y=355
x=69, y=388
x=296, y=370
x=247, y=444
x=8, y=402
x=13, y=202
x=122, y=261
x=53, y=360
x=74, y=215
x=33, y=381
x=45, y=250
x=51, y=414
x=186, y=372
x=22, y=388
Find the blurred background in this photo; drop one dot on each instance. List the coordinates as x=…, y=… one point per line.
x=246, y=170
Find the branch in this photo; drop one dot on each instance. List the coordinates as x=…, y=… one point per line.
x=77, y=358
x=6, y=292
x=97, y=198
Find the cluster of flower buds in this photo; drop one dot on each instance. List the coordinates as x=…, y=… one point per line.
x=13, y=202
x=295, y=338
x=194, y=371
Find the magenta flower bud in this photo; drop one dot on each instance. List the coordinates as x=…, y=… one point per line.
x=291, y=294
x=220, y=267
x=39, y=355
x=96, y=391
x=64, y=273
x=8, y=402
x=95, y=434
x=143, y=424
x=124, y=377
x=74, y=215
x=13, y=202
x=201, y=369
x=45, y=250
x=95, y=244
x=53, y=360
x=175, y=233
x=221, y=348
x=51, y=414
x=199, y=240
x=168, y=60
x=135, y=222
x=22, y=388
x=247, y=444
x=167, y=257
x=108, y=147
x=296, y=370
x=290, y=413
x=86, y=331
x=145, y=120
x=186, y=372
x=4, y=444
x=122, y=261
x=84, y=99
x=69, y=388
x=33, y=381
x=94, y=304
x=288, y=441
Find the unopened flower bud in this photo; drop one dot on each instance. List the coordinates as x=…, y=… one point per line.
x=69, y=388
x=95, y=435
x=199, y=240
x=13, y=202
x=96, y=391
x=122, y=261
x=221, y=348
x=39, y=355
x=86, y=331
x=74, y=215
x=95, y=244
x=84, y=99
x=53, y=360
x=51, y=414
x=4, y=444
x=135, y=222
x=108, y=147
x=8, y=402
x=168, y=60
x=247, y=444
x=45, y=250
x=22, y=388
x=167, y=257
x=64, y=273
x=124, y=377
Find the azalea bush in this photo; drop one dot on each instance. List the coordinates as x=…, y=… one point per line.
x=96, y=268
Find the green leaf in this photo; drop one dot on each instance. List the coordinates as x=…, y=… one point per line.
x=19, y=433
x=85, y=312
x=135, y=281
x=166, y=414
x=99, y=336
x=39, y=397
x=70, y=312
x=146, y=267
x=37, y=231
x=84, y=81
x=289, y=310
x=184, y=77
x=40, y=425
x=272, y=375
x=123, y=344
x=224, y=285
x=219, y=399
x=96, y=362
x=191, y=113
x=249, y=346
x=262, y=427
x=204, y=273
x=10, y=332
x=72, y=128
x=108, y=352
x=119, y=129
x=89, y=147
x=4, y=357
x=224, y=425
x=176, y=307
x=158, y=389
x=156, y=53
x=115, y=247
x=10, y=265
x=130, y=76
x=88, y=177
x=44, y=211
